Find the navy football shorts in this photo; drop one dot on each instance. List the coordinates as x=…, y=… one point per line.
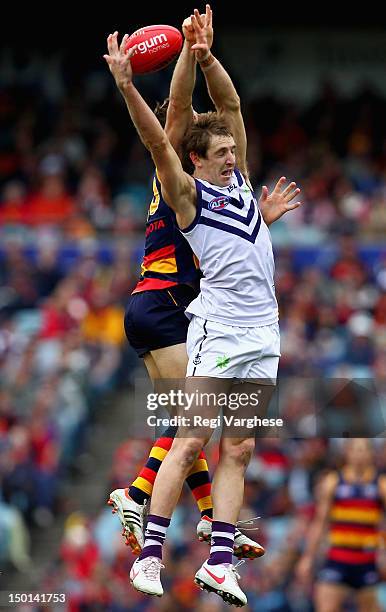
x=156, y=319
x=354, y=576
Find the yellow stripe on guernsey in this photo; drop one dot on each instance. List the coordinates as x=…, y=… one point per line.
x=155, y=200
x=165, y=266
x=353, y=540
x=143, y=484
x=199, y=466
x=356, y=516
x=158, y=453
x=204, y=503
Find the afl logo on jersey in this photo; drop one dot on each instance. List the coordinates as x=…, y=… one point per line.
x=218, y=203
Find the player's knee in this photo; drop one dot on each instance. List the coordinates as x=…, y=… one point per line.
x=187, y=450
x=241, y=452
x=323, y=604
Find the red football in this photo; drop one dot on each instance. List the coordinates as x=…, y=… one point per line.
x=158, y=45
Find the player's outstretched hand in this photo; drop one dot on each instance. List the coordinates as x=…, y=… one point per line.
x=119, y=60
x=188, y=30
x=203, y=31
x=275, y=204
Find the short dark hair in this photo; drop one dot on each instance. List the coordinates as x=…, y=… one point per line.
x=197, y=137
x=161, y=110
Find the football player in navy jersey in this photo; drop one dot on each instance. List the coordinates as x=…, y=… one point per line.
x=219, y=169
x=350, y=509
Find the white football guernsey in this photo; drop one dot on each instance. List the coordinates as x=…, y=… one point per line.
x=234, y=249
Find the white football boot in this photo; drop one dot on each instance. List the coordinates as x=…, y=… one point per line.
x=221, y=579
x=243, y=548
x=131, y=516
x=145, y=576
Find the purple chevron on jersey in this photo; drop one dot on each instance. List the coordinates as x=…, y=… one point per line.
x=231, y=214
x=231, y=229
x=234, y=248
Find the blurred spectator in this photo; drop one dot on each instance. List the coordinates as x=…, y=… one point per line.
x=13, y=203
x=51, y=203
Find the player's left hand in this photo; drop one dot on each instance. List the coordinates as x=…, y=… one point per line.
x=275, y=204
x=119, y=60
x=203, y=30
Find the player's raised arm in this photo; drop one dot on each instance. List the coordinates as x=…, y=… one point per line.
x=178, y=187
x=220, y=86
x=180, y=113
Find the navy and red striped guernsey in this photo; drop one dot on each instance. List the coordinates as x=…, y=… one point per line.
x=355, y=517
x=168, y=259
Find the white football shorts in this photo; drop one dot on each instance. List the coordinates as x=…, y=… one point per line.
x=225, y=351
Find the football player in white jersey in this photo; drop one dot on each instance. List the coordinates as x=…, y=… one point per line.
x=220, y=218
x=155, y=320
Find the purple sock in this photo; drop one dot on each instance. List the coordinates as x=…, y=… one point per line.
x=223, y=537
x=154, y=536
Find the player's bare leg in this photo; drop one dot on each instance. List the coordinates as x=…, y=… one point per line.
x=167, y=489
x=228, y=482
x=169, y=362
x=217, y=574
x=330, y=597
x=185, y=448
x=367, y=600
x=235, y=454
x=163, y=365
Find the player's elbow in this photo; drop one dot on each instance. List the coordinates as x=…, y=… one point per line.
x=178, y=104
x=158, y=146
x=231, y=105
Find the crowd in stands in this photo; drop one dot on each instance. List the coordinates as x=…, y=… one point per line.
x=62, y=349
x=74, y=191
x=70, y=156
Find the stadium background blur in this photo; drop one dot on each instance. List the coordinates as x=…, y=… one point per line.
x=74, y=191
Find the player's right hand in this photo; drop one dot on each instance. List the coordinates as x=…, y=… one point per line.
x=203, y=29
x=118, y=60
x=275, y=204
